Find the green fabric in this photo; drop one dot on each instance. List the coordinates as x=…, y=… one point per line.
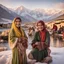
x=40, y=55
x=25, y=59
x=15, y=53
x=37, y=38
x=15, y=59
x=12, y=36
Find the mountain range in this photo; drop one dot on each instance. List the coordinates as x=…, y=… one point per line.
x=28, y=15
x=6, y=13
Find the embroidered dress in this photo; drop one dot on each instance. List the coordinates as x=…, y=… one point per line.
x=39, y=55
x=15, y=33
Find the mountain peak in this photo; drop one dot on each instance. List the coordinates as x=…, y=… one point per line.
x=1, y=5
x=20, y=8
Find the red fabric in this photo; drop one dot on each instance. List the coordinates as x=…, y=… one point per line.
x=63, y=34
x=43, y=32
x=43, y=35
x=55, y=27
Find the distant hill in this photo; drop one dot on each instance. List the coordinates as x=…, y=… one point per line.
x=28, y=15
x=5, y=14
x=60, y=17
x=39, y=14
x=8, y=14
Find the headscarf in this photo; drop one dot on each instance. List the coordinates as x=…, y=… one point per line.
x=42, y=22
x=17, y=32
x=43, y=32
x=54, y=27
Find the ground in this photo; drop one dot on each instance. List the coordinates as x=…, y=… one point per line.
x=56, y=53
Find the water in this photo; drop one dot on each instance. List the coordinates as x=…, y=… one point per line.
x=3, y=29
x=54, y=41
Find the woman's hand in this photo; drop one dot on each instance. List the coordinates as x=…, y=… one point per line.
x=21, y=48
x=23, y=41
x=37, y=43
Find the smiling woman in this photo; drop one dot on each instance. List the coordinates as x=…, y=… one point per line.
x=18, y=49
x=40, y=44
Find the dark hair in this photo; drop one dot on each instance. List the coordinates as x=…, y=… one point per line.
x=42, y=22
x=18, y=18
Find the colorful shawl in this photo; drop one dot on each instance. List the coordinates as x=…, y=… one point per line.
x=17, y=32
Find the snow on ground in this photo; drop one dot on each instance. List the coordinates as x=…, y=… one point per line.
x=56, y=53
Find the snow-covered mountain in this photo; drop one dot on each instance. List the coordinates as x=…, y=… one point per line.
x=5, y=8
x=27, y=12
x=21, y=9
x=24, y=12
x=7, y=13
x=60, y=13
x=39, y=14
x=28, y=15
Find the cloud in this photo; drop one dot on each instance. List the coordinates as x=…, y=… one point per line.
x=59, y=5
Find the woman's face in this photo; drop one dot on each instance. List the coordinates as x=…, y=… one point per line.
x=40, y=27
x=18, y=23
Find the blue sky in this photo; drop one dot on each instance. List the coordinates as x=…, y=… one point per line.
x=32, y=4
